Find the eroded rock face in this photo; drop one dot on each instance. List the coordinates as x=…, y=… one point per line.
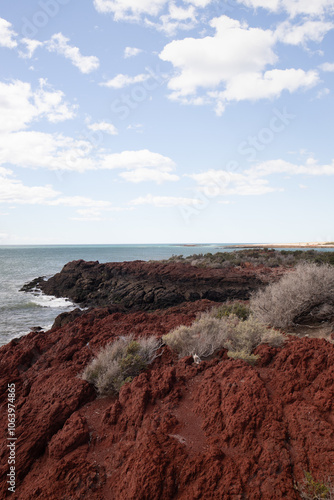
x=219, y=429
x=152, y=285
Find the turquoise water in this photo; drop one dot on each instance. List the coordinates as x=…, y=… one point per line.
x=19, y=311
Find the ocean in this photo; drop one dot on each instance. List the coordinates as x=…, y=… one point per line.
x=20, y=312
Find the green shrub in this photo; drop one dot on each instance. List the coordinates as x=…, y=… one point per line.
x=119, y=362
x=304, y=294
x=311, y=489
x=251, y=359
x=240, y=310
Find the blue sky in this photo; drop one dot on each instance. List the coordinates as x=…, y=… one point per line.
x=166, y=121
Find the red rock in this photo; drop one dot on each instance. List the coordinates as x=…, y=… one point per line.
x=220, y=429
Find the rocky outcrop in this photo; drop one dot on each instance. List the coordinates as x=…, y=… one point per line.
x=219, y=429
x=151, y=285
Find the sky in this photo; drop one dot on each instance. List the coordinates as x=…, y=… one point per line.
x=166, y=121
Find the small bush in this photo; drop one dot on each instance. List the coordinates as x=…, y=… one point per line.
x=119, y=362
x=305, y=294
x=311, y=489
x=240, y=310
x=209, y=334
x=251, y=359
x=246, y=335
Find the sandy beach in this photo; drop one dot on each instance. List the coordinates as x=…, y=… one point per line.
x=310, y=245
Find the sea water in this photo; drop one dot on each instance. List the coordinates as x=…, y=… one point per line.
x=20, y=311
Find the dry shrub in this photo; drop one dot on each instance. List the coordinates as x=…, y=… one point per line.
x=120, y=362
x=209, y=334
x=303, y=295
x=203, y=337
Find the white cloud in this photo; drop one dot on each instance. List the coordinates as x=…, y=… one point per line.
x=80, y=201
x=293, y=7
x=165, y=201
x=210, y=61
x=31, y=46
x=61, y=153
x=7, y=35
x=120, y=81
x=255, y=86
x=231, y=66
x=198, y=3
x=253, y=181
x=20, y=105
x=129, y=9
x=222, y=183
x=148, y=174
x=13, y=190
x=327, y=67
x=138, y=127
x=322, y=93
x=180, y=15
x=177, y=18
x=59, y=44
x=299, y=34
x=106, y=127
x=131, y=52
x=131, y=160
x=311, y=167
x=42, y=150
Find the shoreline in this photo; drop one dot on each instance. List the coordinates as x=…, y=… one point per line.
x=285, y=245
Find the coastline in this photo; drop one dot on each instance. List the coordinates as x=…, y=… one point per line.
x=286, y=245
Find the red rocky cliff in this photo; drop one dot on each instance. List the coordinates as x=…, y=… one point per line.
x=220, y=429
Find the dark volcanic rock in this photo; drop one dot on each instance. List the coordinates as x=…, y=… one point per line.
x=152, y=285
x=218, y=430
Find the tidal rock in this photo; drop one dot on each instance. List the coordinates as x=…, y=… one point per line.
x=152, y=285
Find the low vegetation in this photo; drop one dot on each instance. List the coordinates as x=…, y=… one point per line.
x=255, y=256
x=242, y=311
x=305, y=294
x=213, y=331
x=119, y=362
x=310, y=489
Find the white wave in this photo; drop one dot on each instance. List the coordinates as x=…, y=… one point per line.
x=51, y=301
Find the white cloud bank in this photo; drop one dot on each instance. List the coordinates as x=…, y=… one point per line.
x=232, y=64
x=13, y=190
x=253, y=181
x=164, y=15
x=20, y=106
